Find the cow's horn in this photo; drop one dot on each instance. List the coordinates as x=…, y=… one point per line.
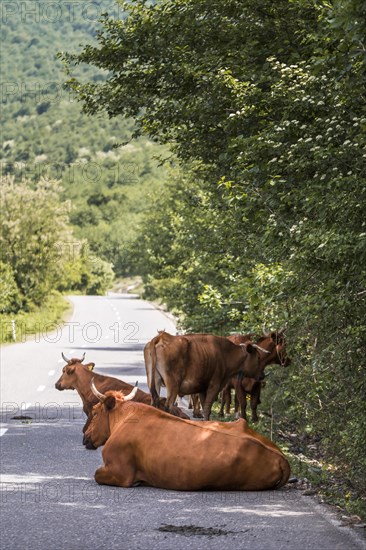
x=260, y=349
x=83, y=357
x=97, y=393
x=132, y=394
x=64, y=358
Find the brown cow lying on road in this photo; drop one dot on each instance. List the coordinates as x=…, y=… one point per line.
x=145, y=445
x=76, y=376
x=273, y=345
x=196, y=363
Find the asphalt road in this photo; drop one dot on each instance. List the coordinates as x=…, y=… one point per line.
x=49, y=499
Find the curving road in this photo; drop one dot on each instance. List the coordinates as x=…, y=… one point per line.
x=48, y=495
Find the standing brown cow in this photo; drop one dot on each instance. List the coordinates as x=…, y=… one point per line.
x=196, y=363
x=272, y=349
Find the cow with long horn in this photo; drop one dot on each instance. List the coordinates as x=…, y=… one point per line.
x=77, y=376
x=145, y=445
x=101, y=397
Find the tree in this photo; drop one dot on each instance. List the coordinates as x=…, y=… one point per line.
x=39, y=252
x=265, y=103
x=10, y=299
x=34, y=235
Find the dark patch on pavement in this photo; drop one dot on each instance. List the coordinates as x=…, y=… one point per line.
x=193, y=530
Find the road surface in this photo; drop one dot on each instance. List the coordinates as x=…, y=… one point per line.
x=49, y=499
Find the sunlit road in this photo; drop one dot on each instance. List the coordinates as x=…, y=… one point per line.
x=49, y=499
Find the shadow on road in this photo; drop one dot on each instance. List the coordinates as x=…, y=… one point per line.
x=121, y=347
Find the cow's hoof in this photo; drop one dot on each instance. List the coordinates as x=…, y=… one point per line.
x=197, y=415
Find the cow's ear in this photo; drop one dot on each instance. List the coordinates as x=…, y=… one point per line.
x=70, y=370
x=274, y=336
x=110, y=402
x=249, y=348
x=90, y=366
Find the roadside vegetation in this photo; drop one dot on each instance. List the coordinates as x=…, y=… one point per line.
x=40, y=321
x=261, y=225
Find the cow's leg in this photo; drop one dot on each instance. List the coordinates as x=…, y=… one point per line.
x=155, y=399
x=241, y=397
x=228, y=400
x=211, y=395
x=86, y=425
x=104, y=476
x=158, y=382
x=236, y=406
x=255, y=400
x=221, y=412
x=202, y=398
x=148, y=363
x=225, y=400
x=172, y=394
x=196, y=406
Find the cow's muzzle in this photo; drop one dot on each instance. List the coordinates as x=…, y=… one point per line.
x=88, y=444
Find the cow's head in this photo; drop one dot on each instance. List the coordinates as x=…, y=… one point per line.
x=99, y=428
x=252, y=367
x=275, y=343
x=70, y=373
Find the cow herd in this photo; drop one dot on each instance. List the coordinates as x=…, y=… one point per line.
x=159, y=445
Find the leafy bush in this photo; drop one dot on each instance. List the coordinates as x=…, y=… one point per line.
x=10, y=298
x=101, y=277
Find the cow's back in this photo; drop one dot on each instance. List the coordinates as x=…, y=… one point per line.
x=176, y=454
x=213, y=356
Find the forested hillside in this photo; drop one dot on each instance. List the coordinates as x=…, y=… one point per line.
x=264, y=105
x=44, y=134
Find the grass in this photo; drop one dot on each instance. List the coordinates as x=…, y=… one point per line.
x=38, y=320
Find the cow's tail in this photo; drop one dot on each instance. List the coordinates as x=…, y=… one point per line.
x=286, y=471
x=153, y=391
